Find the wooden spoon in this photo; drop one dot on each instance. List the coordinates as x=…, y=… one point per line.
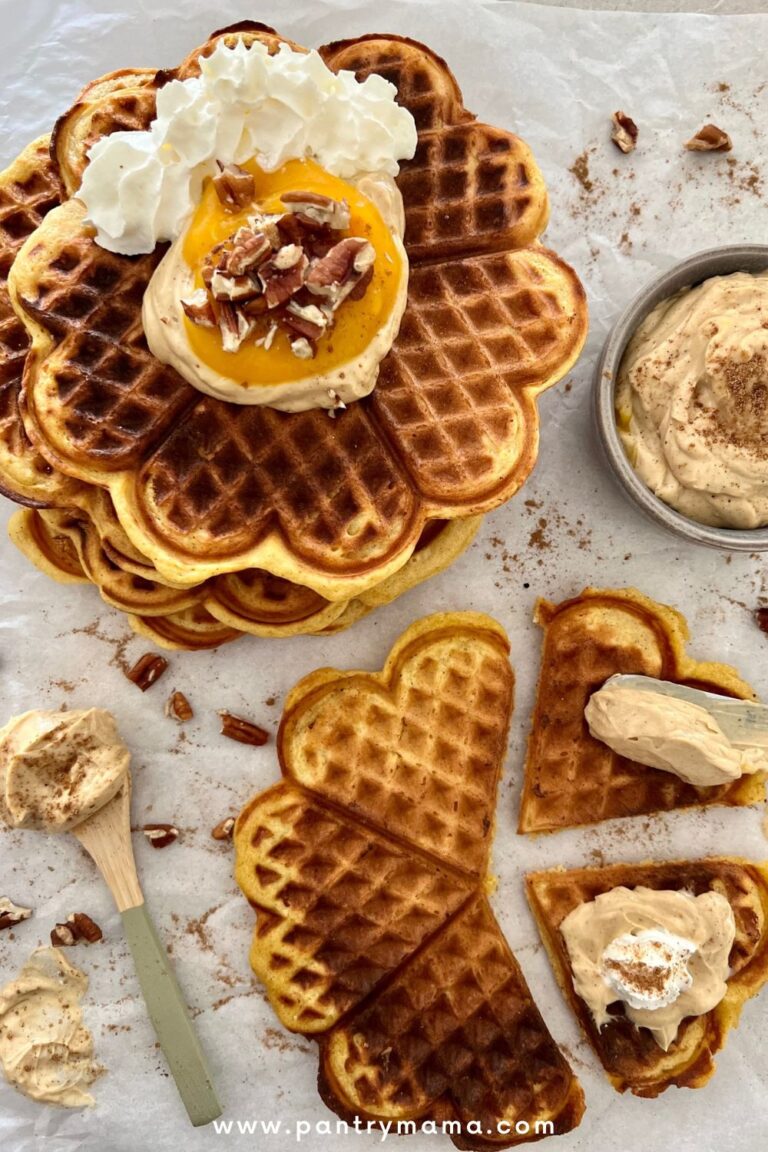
x=106, y=837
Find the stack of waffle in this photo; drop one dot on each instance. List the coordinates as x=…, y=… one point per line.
x=205, y=520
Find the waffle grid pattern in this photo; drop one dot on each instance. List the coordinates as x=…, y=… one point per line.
x=446, y=1026
x=572, y=778
x=342, y=509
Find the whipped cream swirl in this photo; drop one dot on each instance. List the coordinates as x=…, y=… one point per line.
x=140, y=187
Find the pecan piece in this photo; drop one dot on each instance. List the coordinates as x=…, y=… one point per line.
x=283, y=275
x=84, y=928
x=234, y=326
x=242, y=730
x=147, y=670
x=249, y=249
x=306, y=320
x=336, y=274
x=234, y=289
x=314, y=208
x=63, y=936
x=303, y=349
x=160, y=835
x=224, y=829
x=12, y=914
x=178, y=707
x=234, y=186
x=198, y=308
x=624, y=132
x=710, y=138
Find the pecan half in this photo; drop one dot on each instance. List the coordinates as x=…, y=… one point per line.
x=12, y=914
x=710, y=138
x=244, y=731
x=624, y=132
x=84, y=928
x=160, y=835
x=224, y=829
x=234, y=186
x=314, y=208
x=148, y=669
x=178, y=707
x=198, y=308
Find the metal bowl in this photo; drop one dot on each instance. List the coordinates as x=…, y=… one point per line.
x=712, y=262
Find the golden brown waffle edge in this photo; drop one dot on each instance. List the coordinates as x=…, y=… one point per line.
x=572, y=778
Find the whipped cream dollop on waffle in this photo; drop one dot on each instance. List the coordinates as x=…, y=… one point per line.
x=140, y=187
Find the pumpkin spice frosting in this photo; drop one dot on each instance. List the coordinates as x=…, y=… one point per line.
x=692, y=401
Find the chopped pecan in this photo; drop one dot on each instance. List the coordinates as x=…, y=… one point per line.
x=267, y=222
x=244, y=731
x=303, y=348
x=710, y=138
x=337, y=274
x=234, y=326
x=198, y=308
x=235, y=289
x=314, y=208
x=160, y=835
x=147, y=670
x=234, y=186
x=63, y=936
x=291, y=230
x=624, y=132
x=336, y=405
x=248, y=250
x=224, y=829
x=12, y=914
x=178, y=707
x=306, y=320
x=84, y=928
x=283, y=275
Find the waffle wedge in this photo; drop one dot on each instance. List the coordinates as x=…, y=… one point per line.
x=367, y=869
x=630, y=1055
x=572, y=778
x=202, y=487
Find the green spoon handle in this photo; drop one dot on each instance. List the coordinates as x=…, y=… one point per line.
x=170, y=1018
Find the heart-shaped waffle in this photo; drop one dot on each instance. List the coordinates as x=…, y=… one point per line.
x=451, y=430
x=367, y=868
x=630, y=1055
x=572, y=778
x=68, y=545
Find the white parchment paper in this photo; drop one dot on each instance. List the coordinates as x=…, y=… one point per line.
x=555, y=77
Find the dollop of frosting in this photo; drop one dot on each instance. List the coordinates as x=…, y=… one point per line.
x=692, y=401
x=663, y=953
x=670, y=734
x=45, y=1050
x=140, y=187
x=58, y=768
x=647, y=969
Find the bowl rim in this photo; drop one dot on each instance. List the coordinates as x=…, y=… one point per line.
x=720, y=261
